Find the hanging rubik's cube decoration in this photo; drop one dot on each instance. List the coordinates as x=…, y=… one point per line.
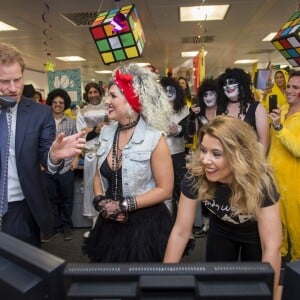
x=287, y=40
x=118, y=34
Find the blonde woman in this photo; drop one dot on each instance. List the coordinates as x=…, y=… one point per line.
x=230, y=174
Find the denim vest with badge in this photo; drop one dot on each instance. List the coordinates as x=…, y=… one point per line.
x=136, y=167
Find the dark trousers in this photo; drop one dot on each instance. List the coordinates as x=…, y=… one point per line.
x=224, y=249
x=19, y=222
x=61, y=195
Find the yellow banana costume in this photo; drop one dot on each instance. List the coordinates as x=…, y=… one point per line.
x=284, y=156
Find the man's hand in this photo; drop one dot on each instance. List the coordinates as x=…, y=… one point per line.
x=275, y=116
x=65, y=147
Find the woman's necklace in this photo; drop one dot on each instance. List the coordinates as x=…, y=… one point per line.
x=116, y=162
x=129, y=125
x=233, y=101
x=117, y=157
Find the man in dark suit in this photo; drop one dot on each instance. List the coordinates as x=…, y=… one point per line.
x=32, y=144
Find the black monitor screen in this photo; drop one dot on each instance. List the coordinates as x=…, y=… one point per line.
x=27, y=272
x=236, y=280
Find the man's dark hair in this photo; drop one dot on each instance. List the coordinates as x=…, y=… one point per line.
x=294, y=73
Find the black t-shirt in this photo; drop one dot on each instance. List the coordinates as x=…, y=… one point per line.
x=242, y=228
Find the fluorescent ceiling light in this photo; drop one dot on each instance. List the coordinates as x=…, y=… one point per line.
x=6, y=27
x=104, y=72
x=143, y=64
x=246, y=61
x=70, y=58
x=269, y=37
x=191, y=53
x=203, y=12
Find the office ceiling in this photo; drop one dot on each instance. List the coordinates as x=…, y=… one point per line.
x=238, y=36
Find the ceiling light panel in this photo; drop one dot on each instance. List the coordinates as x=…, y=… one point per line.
x=104, y=72
x=70, y=58
x=246, y=61
x=269, y=37
x=203, y=13
x=6, y=27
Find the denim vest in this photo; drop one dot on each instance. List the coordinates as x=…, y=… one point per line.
x=137, y=175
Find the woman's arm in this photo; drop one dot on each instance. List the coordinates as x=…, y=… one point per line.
x=262, y=127
x=270, y=231
x=162, y=170
x=182, y=229
x=98, y=190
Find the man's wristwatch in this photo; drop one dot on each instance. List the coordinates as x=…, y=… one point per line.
x=278, y=127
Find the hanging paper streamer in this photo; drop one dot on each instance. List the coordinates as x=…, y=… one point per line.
x=49, y=66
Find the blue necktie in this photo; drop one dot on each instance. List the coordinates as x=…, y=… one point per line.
x=4, y=149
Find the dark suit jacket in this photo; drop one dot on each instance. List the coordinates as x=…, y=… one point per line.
x=35, y=132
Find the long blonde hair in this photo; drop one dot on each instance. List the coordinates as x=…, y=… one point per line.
x=252, y=176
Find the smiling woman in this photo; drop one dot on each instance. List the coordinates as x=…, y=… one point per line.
x=230, y=175
x=134, y=173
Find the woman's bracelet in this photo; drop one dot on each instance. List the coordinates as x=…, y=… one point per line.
x=96, y=201
x=130, y=203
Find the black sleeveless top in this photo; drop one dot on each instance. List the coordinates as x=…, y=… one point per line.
x=250, y=114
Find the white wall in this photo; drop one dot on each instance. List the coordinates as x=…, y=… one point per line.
x=39, y=80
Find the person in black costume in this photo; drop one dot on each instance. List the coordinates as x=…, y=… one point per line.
x=230, y=174
x=205, y=108
x=236, y=99
x=176, y=137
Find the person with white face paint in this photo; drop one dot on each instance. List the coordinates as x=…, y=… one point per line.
x=236, y=99
x=210, y=98
x=206, y=107
x=175, y=138
x=190, y=141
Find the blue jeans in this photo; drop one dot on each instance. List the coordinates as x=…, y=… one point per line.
x=61, y=195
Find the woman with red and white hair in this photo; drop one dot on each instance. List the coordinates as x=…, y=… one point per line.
x=134, y=174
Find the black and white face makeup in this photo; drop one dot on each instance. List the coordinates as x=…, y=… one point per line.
x=210, y=98
x=171, y=93
x=231, y=88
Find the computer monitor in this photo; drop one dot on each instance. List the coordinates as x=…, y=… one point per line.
x=29, y=273
x=291, y=280
x=145, y=281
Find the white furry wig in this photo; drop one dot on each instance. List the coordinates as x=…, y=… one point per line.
x=155, y=107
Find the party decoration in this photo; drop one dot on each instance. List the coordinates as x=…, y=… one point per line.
x=118, y=34
x=287, y=41
x=49, y=66
x=118, y=22
x=69, y=80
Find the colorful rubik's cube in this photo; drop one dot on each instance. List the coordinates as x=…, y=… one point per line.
x=287, y=40
x=113, y=45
